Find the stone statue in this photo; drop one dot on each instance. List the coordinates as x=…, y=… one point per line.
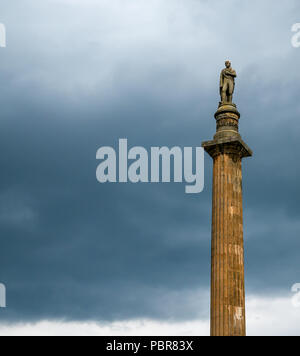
x=227, y=83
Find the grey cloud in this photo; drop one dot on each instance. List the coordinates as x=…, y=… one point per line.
x=76, y=249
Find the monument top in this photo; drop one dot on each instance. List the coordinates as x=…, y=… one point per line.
x=227, y=84
x=227, y=119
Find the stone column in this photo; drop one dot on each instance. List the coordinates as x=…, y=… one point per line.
x=227, y=266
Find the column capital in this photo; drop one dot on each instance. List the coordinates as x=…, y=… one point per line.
x=230, y=145
x=227, y=138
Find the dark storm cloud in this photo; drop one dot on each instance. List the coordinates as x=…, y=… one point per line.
x=77, y=77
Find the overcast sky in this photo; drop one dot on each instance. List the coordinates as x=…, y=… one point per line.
x=80, y=74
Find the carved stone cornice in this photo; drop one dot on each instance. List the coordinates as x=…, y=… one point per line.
x=231, y=145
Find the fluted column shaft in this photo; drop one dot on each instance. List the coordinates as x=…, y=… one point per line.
x=227, y=257
x=227, y=268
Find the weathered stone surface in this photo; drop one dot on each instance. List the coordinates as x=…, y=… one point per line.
x=227, y=258
x=227, y=83
x=231, y=145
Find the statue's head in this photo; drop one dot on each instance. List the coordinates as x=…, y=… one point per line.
x=228, y=64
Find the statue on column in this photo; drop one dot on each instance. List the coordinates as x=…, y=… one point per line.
x=227, y=83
